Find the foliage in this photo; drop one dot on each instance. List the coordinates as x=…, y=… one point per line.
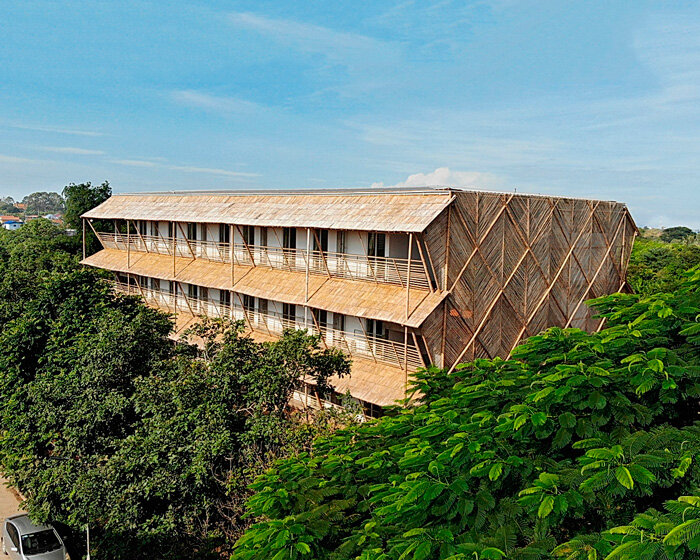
x=7, y=206
x=106, y=421
x=656, y=266
x=539, y=456
x=43, y=203
x=677, y=233
x=80, y=198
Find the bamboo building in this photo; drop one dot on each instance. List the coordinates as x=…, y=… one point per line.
x=398, y=278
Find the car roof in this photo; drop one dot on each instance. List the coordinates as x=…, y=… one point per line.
x=26, y=526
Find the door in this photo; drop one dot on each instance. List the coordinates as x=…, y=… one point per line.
x=289, y=315
x=248, y=236
x=318, y=258
x=263, y=256
x=376, y=251
x=225, y=241
x=289, y=245
x=10, y=541
x=376, y=332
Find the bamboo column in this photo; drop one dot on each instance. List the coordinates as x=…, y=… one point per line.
x=306, y=290
x=174, y=243
x=408, y=274
x=83, y=222
x=128, y=246
x=231, y=238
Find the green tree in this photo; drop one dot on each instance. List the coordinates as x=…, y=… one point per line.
x=656, y=266
x=106, y=420
x=7, y=206
x=540, y=456
x=80, y=198
x=677, y=233
x=43, y=203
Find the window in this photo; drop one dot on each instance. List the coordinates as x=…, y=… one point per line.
x=192, y=291
x=224, y=233
x=322, y=319
x=376, y=244
x=248, y=235
x=154, y=229
x=40, y=542
x=192, y=231
x=338, y=322
x=289, y=312
x=155, y=284
x=249, y=303
x=263, y=236
x=13, y=533
x=262, y=306
x=172, y=288
x=204, y=293
x=341, y=242
x=171, y=229
x=225, y=298
x=143, y=225
x=289, y=238
x=321, y=235
x=375, y=328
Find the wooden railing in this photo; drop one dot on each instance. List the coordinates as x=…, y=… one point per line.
x=355, y=344
x=385, y=270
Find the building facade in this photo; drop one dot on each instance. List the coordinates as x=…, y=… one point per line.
x=397, y=278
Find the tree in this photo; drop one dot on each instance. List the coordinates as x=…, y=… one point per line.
x=656, y=266
x=106, y=420
x=80, y=198
x=539, y=456
x=675, y=234
x=7, y=206
x=43, y=203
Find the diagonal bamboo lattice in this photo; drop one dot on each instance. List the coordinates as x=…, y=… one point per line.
x=516, y=264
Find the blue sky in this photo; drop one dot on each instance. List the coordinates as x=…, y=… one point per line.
x=592, y=99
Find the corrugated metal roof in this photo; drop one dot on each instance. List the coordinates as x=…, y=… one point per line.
x=392, y=210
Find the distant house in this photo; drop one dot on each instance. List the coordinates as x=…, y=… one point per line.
x=12, y=225
x=21, y=206
x=4, y=219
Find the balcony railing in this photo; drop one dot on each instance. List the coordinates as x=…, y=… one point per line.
x=274, y=324
x=385, y=270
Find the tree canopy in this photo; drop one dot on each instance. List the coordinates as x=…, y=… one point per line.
x=582, y=446
x=106, y=421
x=43, y=203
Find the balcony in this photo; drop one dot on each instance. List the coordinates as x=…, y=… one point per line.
x=385, y=270
x=273, y=324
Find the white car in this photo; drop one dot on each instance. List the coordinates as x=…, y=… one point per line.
x=22, y=539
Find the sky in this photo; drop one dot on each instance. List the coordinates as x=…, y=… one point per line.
x=595, y=99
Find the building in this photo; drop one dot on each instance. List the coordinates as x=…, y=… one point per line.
x=12, y=225
x=398, y=278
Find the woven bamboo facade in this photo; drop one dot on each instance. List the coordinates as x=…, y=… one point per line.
x=399, y=278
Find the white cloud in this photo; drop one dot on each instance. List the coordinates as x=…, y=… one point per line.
x=336, y=45
x=211, y=170
x=184, y=168
x=445, y=177
x=13, y=159
x=135, y=162
x=218, y=103
x=58, y=130
x=71, y=150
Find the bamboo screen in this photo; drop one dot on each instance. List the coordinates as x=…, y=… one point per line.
x=517, y=264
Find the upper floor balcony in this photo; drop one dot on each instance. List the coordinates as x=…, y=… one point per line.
x=358, y=344
x=402, y=272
